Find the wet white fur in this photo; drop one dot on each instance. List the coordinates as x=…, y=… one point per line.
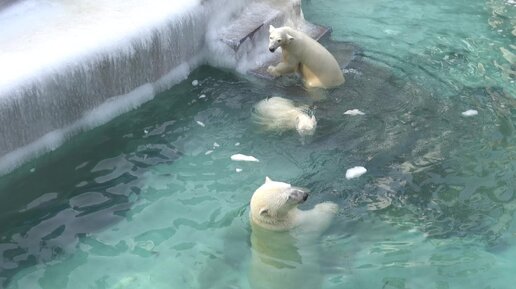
x=284, y=238
x=280, y=114
x=283, y=214
x=304, y=55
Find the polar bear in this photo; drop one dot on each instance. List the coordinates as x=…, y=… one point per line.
x=304, y=55
x=280, y=114
x=284, y=238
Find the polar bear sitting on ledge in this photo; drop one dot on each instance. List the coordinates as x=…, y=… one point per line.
x=304, y=55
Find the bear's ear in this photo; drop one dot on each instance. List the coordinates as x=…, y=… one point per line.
x=313, y=118
x=267, y=180
x=264, y=211
x=290, y=37
x=271, y=28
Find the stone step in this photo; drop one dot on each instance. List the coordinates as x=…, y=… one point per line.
x=250, y=20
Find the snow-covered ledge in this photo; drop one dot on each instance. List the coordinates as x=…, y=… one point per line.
x=68, y=66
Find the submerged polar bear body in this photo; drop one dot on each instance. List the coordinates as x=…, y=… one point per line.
x=304, y=55
x=284, y=238
x=280, y=114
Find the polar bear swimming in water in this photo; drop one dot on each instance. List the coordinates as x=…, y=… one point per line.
x=280, y=115
x=304, y=55
x=284, y=238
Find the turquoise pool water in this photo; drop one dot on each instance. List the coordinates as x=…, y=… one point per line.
x=152, y=199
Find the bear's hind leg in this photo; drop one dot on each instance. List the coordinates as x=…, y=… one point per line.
x=310, y=79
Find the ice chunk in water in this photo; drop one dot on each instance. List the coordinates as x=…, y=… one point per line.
x=195, y=82
x=355, y=172
x=354, y=112
x=244, y=158
x=470, y=112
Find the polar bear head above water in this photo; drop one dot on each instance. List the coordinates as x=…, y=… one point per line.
x=274, y=207
x=281, y=114
x=305, y=125
x=284, y=238
x=273, y=202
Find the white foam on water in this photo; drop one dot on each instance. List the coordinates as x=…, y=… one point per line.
x=355, y=172
x=200, y=123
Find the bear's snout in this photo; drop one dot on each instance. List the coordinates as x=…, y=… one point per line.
x=272, y=49
x=298, y=195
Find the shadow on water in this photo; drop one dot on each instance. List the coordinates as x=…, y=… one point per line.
x=434, y=169
x=51, y=205
x=44, y=213
x=85, y=186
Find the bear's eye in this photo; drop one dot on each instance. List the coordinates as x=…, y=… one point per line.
x=279, y=40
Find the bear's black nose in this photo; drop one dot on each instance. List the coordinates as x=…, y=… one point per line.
x=272, y=49
x=305, y=196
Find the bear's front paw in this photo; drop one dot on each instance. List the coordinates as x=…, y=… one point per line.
x=328, y=207
x=272, y=71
